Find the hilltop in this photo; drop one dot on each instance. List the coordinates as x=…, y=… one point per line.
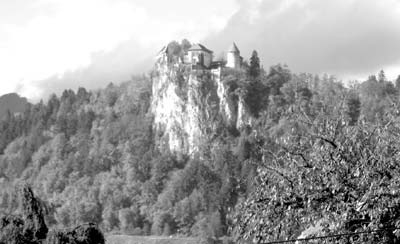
x=12, y=102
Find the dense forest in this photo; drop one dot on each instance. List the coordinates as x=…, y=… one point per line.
x=318, y=153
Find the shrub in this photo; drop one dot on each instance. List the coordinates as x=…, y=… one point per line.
x=83, y=234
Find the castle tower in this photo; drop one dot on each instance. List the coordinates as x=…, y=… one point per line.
x=233, y=57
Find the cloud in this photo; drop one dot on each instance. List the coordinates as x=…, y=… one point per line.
x=51, y=45
x=117, y=65
x=69, y=41
x=349, y=38
x=63, y=39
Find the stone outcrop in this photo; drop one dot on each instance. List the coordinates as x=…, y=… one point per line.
x=30, y=228
x=228, y=104
x=190, y=106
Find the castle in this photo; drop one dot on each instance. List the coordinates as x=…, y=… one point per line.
x=200, y=57
x=191, y=99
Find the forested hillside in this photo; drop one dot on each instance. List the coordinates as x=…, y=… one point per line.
x=315, y=149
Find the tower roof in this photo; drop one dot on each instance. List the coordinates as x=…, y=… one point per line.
x=199, y=47
x=233, y=48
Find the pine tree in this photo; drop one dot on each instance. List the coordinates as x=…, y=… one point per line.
x=372, y=78
x=254, y=70
x=381, y=76
x=353, y=109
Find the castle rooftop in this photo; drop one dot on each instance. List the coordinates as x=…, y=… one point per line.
x=199, y=47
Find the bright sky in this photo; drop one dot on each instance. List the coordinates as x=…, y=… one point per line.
x=50, y=45
x=41, y=38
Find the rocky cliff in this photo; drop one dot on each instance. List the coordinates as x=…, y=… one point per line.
x=191, y=107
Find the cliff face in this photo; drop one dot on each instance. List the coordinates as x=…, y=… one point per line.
x=190, y=107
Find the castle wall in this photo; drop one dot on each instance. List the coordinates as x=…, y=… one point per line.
x=194, y=57
x=207, y=59
x=233, y=60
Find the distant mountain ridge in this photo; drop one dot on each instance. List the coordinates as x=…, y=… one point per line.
x=12, y=102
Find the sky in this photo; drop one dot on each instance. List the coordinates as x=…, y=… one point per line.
x=47, y=46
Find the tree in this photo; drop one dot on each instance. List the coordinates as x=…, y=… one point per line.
x=162, y=222
x=82, y=95
x=175, y=49
x=110, y=218
x=353, y=108
x=255, y=95
x=398, y=83
x=185, y=45
x=372, y=78
x=328, y=172
x=111, y=94
x=381, y=76
x=278, y=75
x=254, y=69
x=129, y=219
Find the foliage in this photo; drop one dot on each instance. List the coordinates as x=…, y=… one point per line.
x=11, y=230
x=397, y=83
x=346, y=175
x=178, y=50
x=82, y=234
x=353, y=109
x=255, y=96
x=92, y=156
x=254, y=69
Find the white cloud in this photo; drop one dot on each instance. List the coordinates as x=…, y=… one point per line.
x=65, y=40
x=64, y=37
x=57, y=38
x=347, y=38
